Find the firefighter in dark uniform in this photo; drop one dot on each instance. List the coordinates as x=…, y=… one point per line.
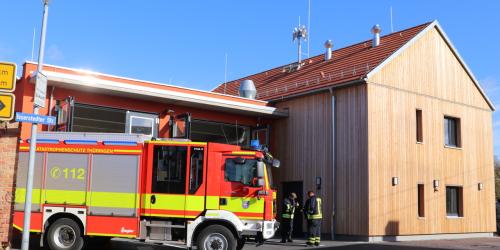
x=289, y=206
x=312, y=211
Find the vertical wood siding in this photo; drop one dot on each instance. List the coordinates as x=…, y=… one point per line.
x=427, y=76
x=303, y=143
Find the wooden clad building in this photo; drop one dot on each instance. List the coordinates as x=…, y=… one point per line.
x=395, y=138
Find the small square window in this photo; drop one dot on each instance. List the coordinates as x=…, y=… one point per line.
x=452, y=136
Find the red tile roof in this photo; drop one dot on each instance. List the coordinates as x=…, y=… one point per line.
x=350, y=63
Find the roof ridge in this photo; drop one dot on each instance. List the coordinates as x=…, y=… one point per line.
x=319, y=55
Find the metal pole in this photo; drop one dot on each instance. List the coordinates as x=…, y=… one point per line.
x=34, y=129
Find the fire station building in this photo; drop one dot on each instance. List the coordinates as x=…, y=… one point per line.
x=395, y=135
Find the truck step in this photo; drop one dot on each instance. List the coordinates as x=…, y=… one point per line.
x=164, y=225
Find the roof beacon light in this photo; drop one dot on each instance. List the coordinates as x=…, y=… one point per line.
x=328, y=52
x=376, y=35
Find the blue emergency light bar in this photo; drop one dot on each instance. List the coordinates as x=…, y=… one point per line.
x=120, y=143
x=86, y=142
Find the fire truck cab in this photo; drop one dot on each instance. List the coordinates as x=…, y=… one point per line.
x=89, y=186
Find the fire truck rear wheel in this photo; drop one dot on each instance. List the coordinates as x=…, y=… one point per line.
x=64, y=234
x=216, y=237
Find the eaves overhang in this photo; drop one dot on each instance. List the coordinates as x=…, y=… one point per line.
x=91, y=83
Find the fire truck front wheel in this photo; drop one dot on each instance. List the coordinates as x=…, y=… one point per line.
x=64, y=234
x=216, y=237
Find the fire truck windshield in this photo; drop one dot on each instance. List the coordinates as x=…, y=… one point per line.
x=241, y=170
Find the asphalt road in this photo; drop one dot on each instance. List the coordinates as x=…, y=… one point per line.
x=475, y=243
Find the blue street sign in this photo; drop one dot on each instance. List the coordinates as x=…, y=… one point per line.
x=31, y=118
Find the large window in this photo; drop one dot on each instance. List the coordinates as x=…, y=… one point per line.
x=454, y=201
x=209, y=131
x=241, y=170
x=169, y=169
x=90, y=118
x=452, y=132
x=196, y=170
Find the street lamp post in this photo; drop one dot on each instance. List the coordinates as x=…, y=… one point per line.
x=34, y=129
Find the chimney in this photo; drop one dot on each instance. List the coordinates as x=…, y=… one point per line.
x=328, y=52
x=376, y=35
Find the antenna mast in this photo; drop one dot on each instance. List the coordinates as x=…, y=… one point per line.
x=392, y=27
x=299, y=33
x=225, y=75
x=308, y=25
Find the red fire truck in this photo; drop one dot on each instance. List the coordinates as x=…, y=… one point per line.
x=93, y=185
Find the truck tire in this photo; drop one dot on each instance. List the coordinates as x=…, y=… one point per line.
x=216, y=237
x=64, y=234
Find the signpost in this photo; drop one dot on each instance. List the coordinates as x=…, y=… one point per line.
x=7, y=101
x=40, y=82
x=7, y=85
x=7, y=77
x=40, y=89
x=31, y=118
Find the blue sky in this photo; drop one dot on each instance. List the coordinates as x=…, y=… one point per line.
x=185, y=42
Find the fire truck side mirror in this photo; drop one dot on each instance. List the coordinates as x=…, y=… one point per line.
x=261, y=182
x=260, y=169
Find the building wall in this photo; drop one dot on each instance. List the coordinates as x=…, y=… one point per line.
x=8, y=155
x=303, y=143
x=427, y=76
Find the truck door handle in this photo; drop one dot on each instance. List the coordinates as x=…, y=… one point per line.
x=153, y=199
x=223, y=201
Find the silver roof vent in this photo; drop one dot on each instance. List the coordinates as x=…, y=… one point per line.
x=376, y=35
x=328, y=52
x=247, y=89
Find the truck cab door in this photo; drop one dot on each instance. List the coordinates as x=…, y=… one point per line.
x=166, y=186
x=239, y=187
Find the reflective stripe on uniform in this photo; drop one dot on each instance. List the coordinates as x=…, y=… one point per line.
x=319, y=214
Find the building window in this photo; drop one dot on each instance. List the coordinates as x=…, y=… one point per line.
x=209, y=131
x=420, y=135
x=452, y=132
x=421, y=200
x=454, y=201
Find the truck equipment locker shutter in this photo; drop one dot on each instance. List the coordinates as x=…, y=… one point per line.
x=22, y=173
x=114, y=185
x=66, y=178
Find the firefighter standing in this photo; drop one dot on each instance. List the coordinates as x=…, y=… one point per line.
x=312, y=211
x=289, y=205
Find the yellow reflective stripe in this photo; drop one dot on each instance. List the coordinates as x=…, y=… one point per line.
x=195, y=203
x=112, y=235
x=266, y=178
x=24, y=147
x=21, y=195
x=65, y=196
x=177, y=143
x=166, y=201
x=213, y=202
x=21, y=229
x=113, y=199
x=235, y=204
x=243, y=153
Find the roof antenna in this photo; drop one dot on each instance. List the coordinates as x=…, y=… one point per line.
x=299, y=33
x=33, y=46
x=392, y=27
x=308, y=25
x=225, y=75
